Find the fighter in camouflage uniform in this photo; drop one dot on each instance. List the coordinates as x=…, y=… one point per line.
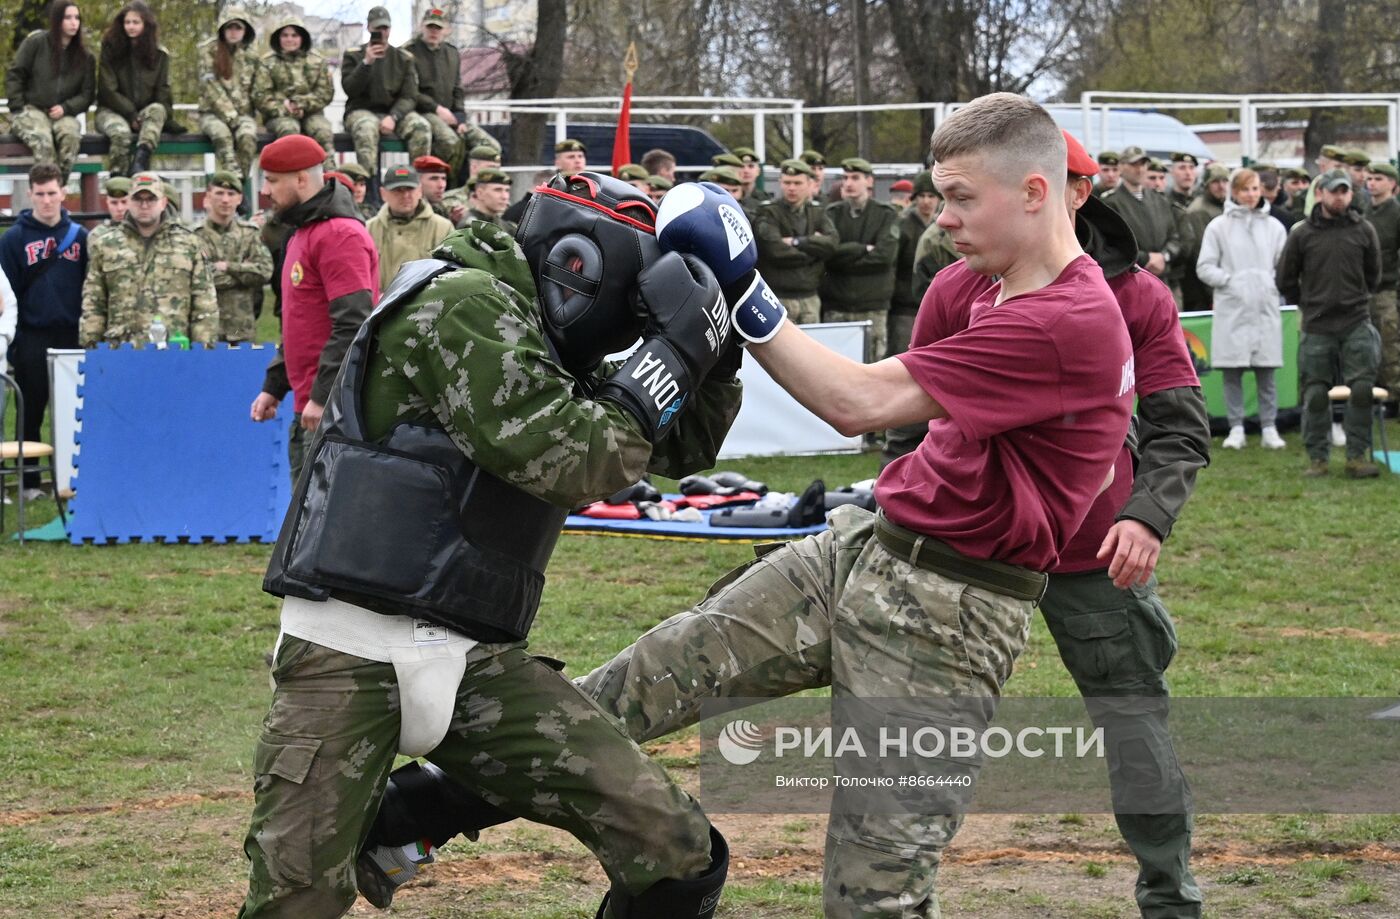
x=293, y=87
x=133, y=277
x=488, y=391
x=238, y=261
x=226, y=113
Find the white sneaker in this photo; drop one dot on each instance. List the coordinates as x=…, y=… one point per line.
x=1339, y=437
x=1271, y=440
x=1236, y=439
x=33, y=494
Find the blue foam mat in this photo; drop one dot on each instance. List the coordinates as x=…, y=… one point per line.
x=1394, y=459
x=167, y=450
x=673, y=529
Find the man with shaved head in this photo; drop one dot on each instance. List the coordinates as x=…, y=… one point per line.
x=930, y=598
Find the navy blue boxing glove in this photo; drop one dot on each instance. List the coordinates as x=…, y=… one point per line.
x=704, y=220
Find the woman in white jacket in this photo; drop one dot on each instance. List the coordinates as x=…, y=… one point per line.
x=1238, y=253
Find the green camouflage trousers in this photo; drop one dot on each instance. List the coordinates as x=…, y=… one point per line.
x=1386, y=319
x=1117, y=644
x=317, y=127
x=236, y=145
x=50, y=141
x=522, y=736
x=118, y=131
x=1322, y=359
x=804, y=310
x=835, y=609
x=363, y=126
x=876, y=336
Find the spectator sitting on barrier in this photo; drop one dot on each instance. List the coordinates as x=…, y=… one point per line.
x=381, y=89
x=133, y=89
x=150, y=268
x=293, y=87
x=44, y=256
x=227, y=70
x=49, y=83
x=238, y=261
x=1239, y=251
x=405, y=227
x=441, y=98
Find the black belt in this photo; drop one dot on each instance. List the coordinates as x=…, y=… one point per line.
x=933, y=555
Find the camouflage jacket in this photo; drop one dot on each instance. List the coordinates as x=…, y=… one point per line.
x=468, y=354
x=227, y=99
x=249, y=268
x=302, y=78
x=388, y=86
x=857, y=277
x=132, y=280
x=794, y=270
x=474, y=214
x=933, y=252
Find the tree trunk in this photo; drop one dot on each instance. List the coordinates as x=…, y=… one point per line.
x=860, y=66
x=536, y=73
x=1326, y=59
x=31, y=15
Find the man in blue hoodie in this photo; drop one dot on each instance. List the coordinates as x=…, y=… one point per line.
x=44, y=256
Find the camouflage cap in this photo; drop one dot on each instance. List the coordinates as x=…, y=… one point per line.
x=490, y=176
x=225, y=179
x=355, y=171
x=746, y=154
x=1156, y=166
x=857, y=164
x=1217, y=172
x=812, y=158
x=1108, y=158
x=923, y=184
x=435, y=16
x=569, y=145
x=1264, y=166
x=660, y=183
x=632, y=172
x=116, y=187
x=1356, y=158
x=171, y=192
x=1332, y=152
x=400, y=177
x=726, y=159
x=1383, y=168
x=1331, y=181
x=796, y=168
x=1133, y=154
x=1179, y=157
x=484, y=152
x=723, y=175
x=148, y=182
x=378, y=16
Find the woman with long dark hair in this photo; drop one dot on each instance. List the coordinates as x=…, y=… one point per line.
x=50, y=83
x=133, y=88
x=227, y=70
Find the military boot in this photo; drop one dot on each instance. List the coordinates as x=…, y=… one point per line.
x=1362, y=468
x=695, y=898
x=141, y=162
x=1316, y=469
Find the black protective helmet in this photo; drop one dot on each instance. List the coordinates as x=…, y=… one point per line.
x=587, y=236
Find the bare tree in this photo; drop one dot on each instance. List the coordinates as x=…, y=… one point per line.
x=535, y=72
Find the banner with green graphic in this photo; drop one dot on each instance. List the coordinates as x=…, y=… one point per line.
x=1197, y=328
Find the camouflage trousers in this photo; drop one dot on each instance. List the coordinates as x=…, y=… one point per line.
x=803, y=310
x=363, y=126
x=1386, y=319
x=118, y=131
x=235, y=145
x=835, y=609
x=1320, y=356
x=904, y=439
x=1117, y=644
x=522, y=736
x=317, y=127
x=876, y=334
x=51, y=141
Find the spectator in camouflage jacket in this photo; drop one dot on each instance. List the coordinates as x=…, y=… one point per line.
x=293, y=87
x=238, y=261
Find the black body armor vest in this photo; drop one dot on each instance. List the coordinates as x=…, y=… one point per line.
x=408, y=525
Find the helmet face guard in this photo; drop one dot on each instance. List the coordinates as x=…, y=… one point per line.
x=587, y=237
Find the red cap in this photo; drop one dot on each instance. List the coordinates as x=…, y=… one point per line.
x=903, y=185
x=292, y=153
x=343, y=179
x=431, y=164
x=1080, y=162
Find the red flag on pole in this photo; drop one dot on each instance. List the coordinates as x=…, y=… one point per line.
x=622, y=141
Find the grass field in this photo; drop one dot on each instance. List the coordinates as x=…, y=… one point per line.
x=133, y=684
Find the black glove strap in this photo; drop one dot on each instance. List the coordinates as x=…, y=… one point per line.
x=654, y=385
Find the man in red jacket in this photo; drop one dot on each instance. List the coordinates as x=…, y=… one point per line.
x=330, y=283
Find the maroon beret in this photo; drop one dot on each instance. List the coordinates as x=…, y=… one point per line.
x=1078, y=160
x=292, y=153
x=343, y=179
